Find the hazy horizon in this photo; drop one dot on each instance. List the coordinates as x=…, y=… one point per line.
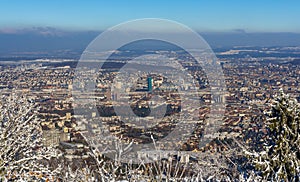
x=48, y=40
x=45, y=26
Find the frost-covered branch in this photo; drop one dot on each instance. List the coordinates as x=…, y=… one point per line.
x=21, y=151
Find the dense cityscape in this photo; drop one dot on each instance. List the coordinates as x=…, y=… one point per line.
x=250, y=81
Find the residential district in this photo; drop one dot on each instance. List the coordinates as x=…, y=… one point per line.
x=250, y=83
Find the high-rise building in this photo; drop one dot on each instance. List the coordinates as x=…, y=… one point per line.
x=150, y=83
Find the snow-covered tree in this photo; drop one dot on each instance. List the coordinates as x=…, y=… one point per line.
x=21, y=152
x=210, y=167
x=280, y=158
x=67, y=174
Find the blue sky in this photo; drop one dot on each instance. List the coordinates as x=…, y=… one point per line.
x=210, y=15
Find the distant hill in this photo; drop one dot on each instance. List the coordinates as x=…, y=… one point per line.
x=252, y=39
x=294, y=62
x=50, y=42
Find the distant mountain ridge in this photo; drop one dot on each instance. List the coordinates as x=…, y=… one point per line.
x=52, y=42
